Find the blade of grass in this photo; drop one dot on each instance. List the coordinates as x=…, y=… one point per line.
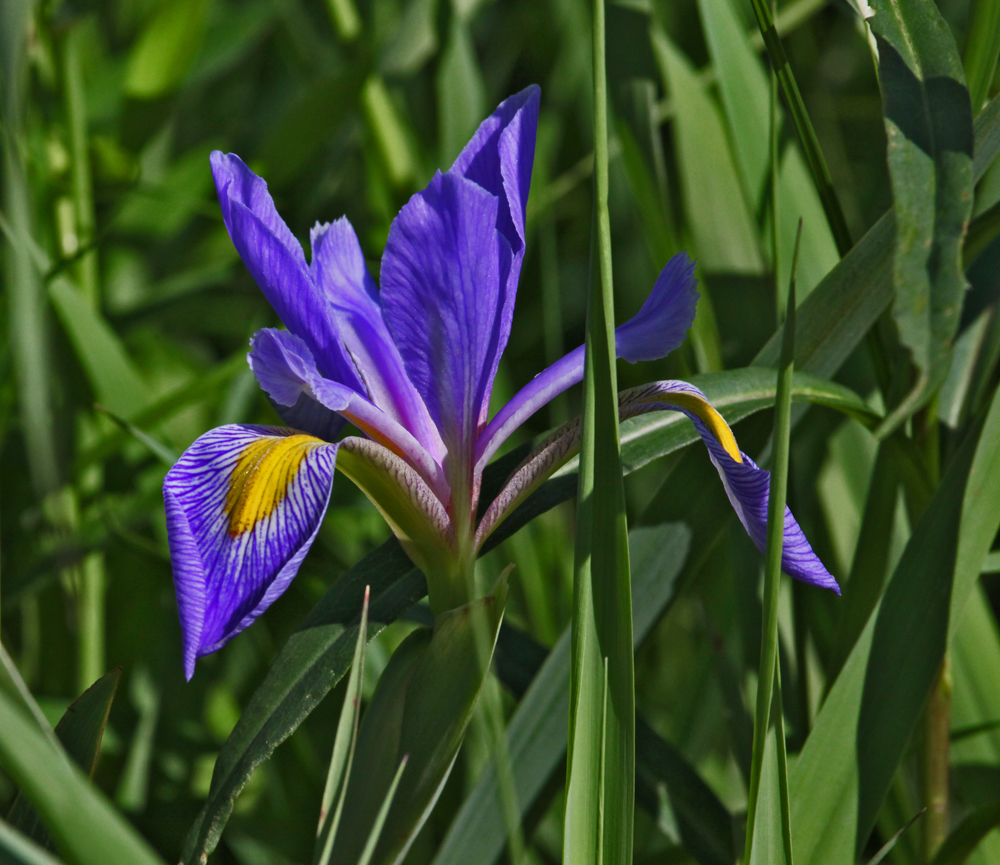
x=967, y=835
x=344, y=742
x=85, y=826
x=803, y=126
x=18, y=849
x=772, y=566
x=600, y=792
x=887, y=847
x=982, y=48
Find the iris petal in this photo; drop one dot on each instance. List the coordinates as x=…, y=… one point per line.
x=244, y=504
x=747, y=485
x=656, y=330
x=444, y=282
x=285, y=369
x=339, y=271
x=276, y=262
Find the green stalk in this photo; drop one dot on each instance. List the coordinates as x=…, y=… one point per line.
x=937, y=735
x=772, y=565
x=92, y=583
x=982, y=47
x=815, y=160
x=778, y=713
x=600, y=784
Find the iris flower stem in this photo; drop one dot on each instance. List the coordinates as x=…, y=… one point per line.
x=772, y=565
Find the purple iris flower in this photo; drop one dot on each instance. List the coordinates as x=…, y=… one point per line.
x=411, y=366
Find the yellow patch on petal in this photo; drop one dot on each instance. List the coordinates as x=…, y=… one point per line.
x=263, y=473
x=717, y=426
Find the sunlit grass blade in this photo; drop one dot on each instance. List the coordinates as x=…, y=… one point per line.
x=803, y=126
x=600, y=791
x=85, y=826
x=840, y=780
x=772, y=564
x=982, y=48
x=343, y=746
x=80, y=732
x=18, y=849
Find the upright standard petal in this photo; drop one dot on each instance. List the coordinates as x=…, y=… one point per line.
x=339, y=271
x=656, y=330
x=444, y=284
x=747, y=485
x=244, y=504
x=499, y=158
x=276, y=262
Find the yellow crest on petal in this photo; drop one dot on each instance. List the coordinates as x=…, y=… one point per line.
x=716, y=424
x=260, y=480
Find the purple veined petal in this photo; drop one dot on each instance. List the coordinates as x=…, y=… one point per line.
x=244, y=504
x=276, y=262
x=444, y=284
x=656, y=330
x=285, y=369
x=499, y=158
x=338, y=270
x=747, y=485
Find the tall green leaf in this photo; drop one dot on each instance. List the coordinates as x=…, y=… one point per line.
x=982, y=47
x=600, y=776
x=80, y=732
x=841, y=777
x=164, y=52
x=18, y=849
x=928, y=121
x=117, y=384
x=86, y=828
x=714, y=202
x=537, y=737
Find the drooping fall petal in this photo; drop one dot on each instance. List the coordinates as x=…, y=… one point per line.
x=243, y=504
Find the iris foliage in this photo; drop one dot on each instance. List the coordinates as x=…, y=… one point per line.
x=194, y=614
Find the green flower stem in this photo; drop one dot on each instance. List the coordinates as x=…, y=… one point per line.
x=772, y=566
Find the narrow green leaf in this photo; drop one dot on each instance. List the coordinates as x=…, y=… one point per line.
x=166, y=48
x=86, y=828
x=115, y=380
x=803, y=126
x=344, y=742
x=389, y=131
x=982, y=48
x=345, y=18
x=18, y=849
x=26, y=318
x=461, y=91
x=166, y=455
x=772, y=570
x=714, y=203
x=875, y=702
x=537, y=735
x=420, y=710
x=80, y=732
x=366, y=854
x=888, y=846
x=928, y=122
x=600, y=777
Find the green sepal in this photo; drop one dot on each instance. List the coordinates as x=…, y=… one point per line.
x=420, y=709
